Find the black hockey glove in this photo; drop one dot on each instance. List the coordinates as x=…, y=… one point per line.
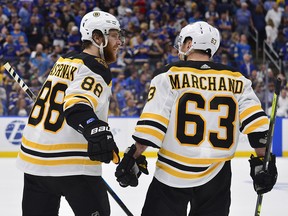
x=101, y=145
x=129, y=169
x=263, y=181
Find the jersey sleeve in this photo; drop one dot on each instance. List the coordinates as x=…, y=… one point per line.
x=153, y=123
x=253, y=120
x=87, y=95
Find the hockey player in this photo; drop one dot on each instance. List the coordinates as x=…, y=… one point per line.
x=67, y=136
x=194, y=113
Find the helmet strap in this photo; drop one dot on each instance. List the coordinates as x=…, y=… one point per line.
x=101, y=46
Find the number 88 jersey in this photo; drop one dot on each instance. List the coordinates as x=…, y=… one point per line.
x=194, y=114
x=50, y=147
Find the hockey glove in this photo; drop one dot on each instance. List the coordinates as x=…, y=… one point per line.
x=263, y=181
x=101, y=145
x=129, y=169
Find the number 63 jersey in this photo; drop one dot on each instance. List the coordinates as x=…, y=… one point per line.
x=50, y=147
x=194, y=113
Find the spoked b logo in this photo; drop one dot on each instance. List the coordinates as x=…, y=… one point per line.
x=13, y=131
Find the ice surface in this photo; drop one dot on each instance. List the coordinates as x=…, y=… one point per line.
x=243, y=196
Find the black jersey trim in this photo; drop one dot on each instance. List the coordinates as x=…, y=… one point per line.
x=153, y=124
x=54, y=155
x=196, y=65
x=145, y=142
x=252, y=118
x=180, y=166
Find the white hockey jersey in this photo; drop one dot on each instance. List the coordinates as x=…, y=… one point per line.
x=50, y=147
x=194, y=114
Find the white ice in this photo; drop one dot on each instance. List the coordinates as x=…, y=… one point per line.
x=243, y=196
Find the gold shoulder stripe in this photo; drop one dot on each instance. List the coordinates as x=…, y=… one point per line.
x=73, y=101
x=80, y=161
x=249, y=111
x=256, y=125
x=150, y=131
x=192, y=161
x=178, y=174
x=54, y=147
x=76, y=61
x=90, y=98
x=197, y=71
x=160, y=118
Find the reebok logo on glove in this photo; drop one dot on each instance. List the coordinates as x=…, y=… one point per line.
x=99, y=129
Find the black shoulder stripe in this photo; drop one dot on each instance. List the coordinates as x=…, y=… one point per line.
x=195, y=64
x=70, y=54
x=251, y=118
x=95, y=64
x=145, y=142
x=54, y=155
x=180, y=166
x=153, y=124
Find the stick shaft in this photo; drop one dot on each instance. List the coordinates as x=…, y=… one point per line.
x=18, y=79
x=269, y=140
x=28, y=91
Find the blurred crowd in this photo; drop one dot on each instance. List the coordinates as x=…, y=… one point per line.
x=34, y=33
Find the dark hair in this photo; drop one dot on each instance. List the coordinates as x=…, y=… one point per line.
x=87, y=43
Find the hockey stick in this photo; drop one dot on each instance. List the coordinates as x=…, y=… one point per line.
x=269, y=140
x=28, y=91
x=16, y=77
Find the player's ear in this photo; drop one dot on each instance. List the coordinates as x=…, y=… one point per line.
x=98, y=37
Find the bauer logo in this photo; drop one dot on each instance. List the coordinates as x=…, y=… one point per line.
x=14, y=131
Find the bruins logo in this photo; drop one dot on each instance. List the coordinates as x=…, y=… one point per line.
x=96, y=14
x=101, y=61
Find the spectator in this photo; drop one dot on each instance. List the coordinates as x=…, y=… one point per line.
x=282, y=110
x=4, y=17
x=24, y=14
x=131, y=81
x=38, y=49
x=225, y=59
x=271, y=32
x=212, y=13
x=130, y=110
x=283, y=104
x=260, y=93
x=243, y=19
x=66, y=16
x=59, y=35
x=34, y=32
x=140, y=84
x=23, y=68
x=224, y=24
x=21, y=108
x=53, y=14
x=16, y=33
x=153, y=13
x=247, y=66
x=155, y=51
x=172, y=55
x=259, y=22
x=129, y=17
x=40, y=65
x=39, y=12
x=22, y=48
x=140, y=51
x=74, y=40
x=9, y=50
x=242, y=48
x=121, y=9
x=275, y=14
x=114, y=108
